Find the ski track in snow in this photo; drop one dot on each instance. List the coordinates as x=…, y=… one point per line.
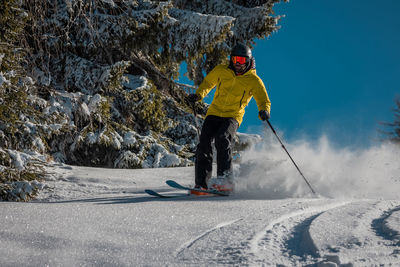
x=191, y=242
x=294, y=238
x=386, y=225
x=117, y=224
x=269, y=240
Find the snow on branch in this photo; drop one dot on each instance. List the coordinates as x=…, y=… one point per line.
x=255, y=3
x=195, y=32
x=87, y=76
x=251, y=22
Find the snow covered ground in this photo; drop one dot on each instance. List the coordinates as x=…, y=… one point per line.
x=102, y=217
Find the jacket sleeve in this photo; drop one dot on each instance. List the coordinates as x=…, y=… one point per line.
x=261, y=96
x=209, y=82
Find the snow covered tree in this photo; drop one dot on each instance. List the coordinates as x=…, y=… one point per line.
x=394, y=133
x=102, y=47
x=93, y=82
x=154, y=36
x=241, y=21
x=15, y=112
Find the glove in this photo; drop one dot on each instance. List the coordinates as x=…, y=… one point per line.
x=192, y=98
x=264, y=115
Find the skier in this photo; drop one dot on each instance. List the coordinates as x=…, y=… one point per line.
x=236, y=84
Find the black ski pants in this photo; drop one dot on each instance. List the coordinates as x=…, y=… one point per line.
x=222, y=131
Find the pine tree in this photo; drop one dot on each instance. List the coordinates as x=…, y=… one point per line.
x=394, y=133
x=250, y=20
x=93, y=82
x=161, y=34
x=15, y=112
x=90, y=47
x=12, y=95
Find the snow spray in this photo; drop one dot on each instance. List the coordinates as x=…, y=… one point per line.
x=266, y=172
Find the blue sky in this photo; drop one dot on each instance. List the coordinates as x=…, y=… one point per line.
x=333, y=68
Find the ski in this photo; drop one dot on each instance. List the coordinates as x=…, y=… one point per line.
x=174, y=184
x=156, y=194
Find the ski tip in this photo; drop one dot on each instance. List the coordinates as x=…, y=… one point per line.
x=149, y=191
x=152, y=192
x=171, y=182
x=175, y=185
x=156, y=194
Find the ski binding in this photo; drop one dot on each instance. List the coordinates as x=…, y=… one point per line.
x=179, y=186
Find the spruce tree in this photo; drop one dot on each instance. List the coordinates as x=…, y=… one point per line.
x=394, y=133
x=94, y=82
x=15, y=112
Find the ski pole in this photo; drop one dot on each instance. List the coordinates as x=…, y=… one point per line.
x=273, y=130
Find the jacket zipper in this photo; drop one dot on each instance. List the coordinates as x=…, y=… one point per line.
x=241, y=99
x=218, y=87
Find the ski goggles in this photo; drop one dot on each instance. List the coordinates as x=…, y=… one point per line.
x=239, y=59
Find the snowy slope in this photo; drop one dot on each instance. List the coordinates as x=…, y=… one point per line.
x=102, y=217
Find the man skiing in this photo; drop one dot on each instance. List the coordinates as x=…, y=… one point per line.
x=236, y=84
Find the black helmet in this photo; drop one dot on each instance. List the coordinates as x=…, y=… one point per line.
x=241, y=50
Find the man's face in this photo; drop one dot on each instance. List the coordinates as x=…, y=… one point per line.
x=239, y=67
x=239, y=63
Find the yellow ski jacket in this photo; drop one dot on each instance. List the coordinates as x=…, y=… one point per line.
x=233, y=92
